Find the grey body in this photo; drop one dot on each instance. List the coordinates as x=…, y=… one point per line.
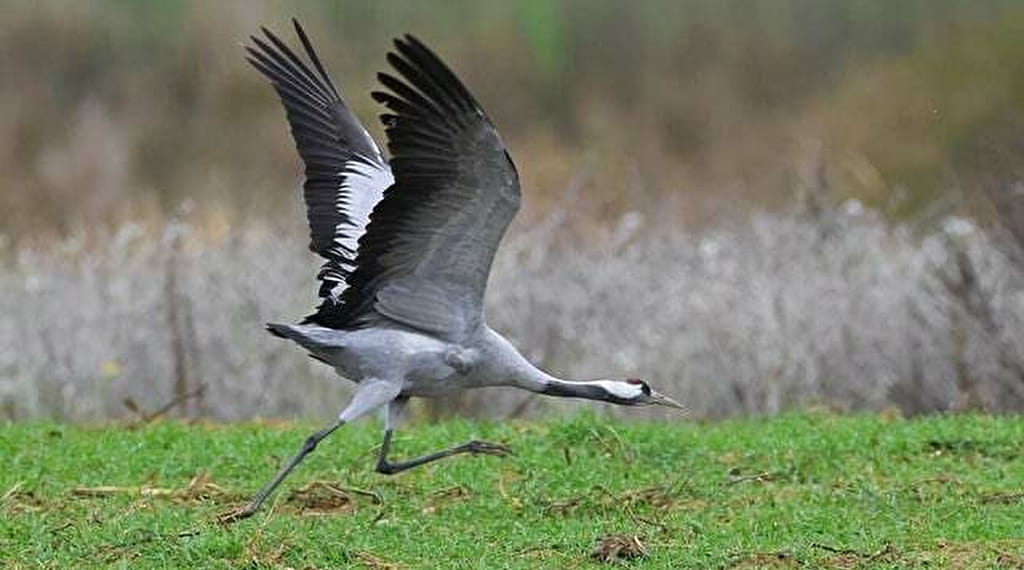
x=419, y=364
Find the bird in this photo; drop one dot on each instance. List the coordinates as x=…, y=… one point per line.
x=407, y=245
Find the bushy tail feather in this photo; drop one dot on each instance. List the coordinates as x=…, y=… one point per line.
x=278, y=330
x=309, y=336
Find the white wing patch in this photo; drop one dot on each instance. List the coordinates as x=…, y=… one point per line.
x=363, y=184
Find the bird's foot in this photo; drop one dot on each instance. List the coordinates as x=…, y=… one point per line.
x=489, y=448
x=236, y=514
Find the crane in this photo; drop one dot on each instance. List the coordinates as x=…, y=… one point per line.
x=408, y=245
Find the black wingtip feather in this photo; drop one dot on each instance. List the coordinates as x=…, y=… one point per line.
x=308, y=46
x=327, y=136
x=429, y=62
x=276, y=330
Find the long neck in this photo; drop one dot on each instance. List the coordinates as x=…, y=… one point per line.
x=521, y=373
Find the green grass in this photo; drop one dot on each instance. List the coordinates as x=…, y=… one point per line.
x=807, y=491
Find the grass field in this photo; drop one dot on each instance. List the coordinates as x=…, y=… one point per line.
x=800, y=491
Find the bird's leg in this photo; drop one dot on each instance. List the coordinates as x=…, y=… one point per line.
x=308, y=446
x=371, y=394
x=388, y=468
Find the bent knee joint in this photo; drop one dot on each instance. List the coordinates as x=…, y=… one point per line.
x=462, y=360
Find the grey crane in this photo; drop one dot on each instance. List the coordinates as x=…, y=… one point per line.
x=408, y=245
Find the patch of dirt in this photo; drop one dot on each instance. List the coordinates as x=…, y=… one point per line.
x=616, y=547
x=736, y=476
x=126, y=549
x=320, y=498
x=543, y=552
x=563, y=508
x=656, y=497
x=1003, y=554
x=765, y=560
x=16, y=501
x=445, y=497
x=256, y=556
x=374, y=562
x=1006, y=560
x=1001, y=498
x=850, y=558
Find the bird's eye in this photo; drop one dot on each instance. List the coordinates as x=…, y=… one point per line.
x=643, y=385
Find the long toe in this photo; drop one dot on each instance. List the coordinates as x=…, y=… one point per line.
x=234, y=515
x=489, y=448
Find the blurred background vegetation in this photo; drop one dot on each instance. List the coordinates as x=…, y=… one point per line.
x=118, y=110
x=764, y=204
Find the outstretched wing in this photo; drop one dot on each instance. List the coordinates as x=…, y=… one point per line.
x=427, y=251
x=345, y=172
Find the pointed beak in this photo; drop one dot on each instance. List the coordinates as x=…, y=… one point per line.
x=663, y=400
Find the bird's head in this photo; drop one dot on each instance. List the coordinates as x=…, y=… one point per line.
x=636, y=392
